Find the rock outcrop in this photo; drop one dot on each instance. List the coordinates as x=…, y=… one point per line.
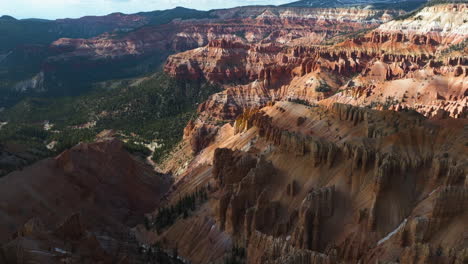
x=79, y=205
x=267, y=249
x=403, y=64
x=248, y=24
x=348, y=185
x=315, y=208
x=305, y=175
x=297, y=173
x=244, y=205
x=199, y=135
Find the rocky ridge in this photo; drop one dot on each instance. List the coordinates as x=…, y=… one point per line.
x=250, y=24
x=300, y=175
x=293, y=170
x=290, y=175
x=149, y=39
x=95, y=193
x=365, y=70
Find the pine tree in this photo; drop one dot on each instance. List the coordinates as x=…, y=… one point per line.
x=176, y=252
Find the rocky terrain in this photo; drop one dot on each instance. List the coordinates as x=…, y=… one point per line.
x=297, y=184
x=353, y=152
x=78, y=207
x=405, y=5
x=340, y=136
x=250, y=24
x=122, y=55
x=25, y=46
x=407, y=63
x=423, y=73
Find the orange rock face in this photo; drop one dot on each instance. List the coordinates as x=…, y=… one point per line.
x=352, y=152
x=346, y=151
x=300, y=175
x=251, y=24
x=403, y=64
x=345, y=185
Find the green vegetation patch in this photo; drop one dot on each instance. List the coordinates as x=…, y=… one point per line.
x=156, y=110
x=168, y=215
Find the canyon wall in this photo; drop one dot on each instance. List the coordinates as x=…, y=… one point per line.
x=341, y=184
x=413, y=63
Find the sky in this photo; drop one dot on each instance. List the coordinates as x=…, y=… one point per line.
x=53, y=9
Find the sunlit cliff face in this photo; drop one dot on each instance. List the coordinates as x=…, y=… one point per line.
x=317, y=136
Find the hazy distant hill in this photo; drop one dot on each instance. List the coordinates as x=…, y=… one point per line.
x=14, y=32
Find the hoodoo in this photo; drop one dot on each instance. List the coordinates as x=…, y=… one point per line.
x=307, y=133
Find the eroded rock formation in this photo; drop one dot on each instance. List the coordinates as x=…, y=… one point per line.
x=300, y=174
x=403, y=64
x=348, y=185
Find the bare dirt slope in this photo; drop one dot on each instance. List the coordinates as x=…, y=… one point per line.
x=79, y=205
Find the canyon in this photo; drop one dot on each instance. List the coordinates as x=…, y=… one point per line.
x=292, y=183
x=401, y=64
x=126, y=54
x=347, y=152
x=339, y=136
